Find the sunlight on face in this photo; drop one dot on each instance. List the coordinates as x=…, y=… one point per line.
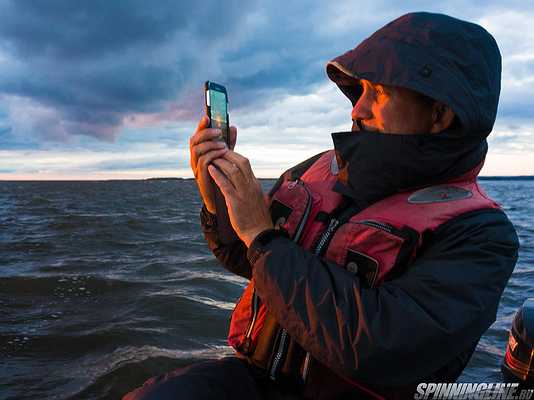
x=391, y=109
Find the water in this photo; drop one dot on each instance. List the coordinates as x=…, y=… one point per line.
x=104, y=284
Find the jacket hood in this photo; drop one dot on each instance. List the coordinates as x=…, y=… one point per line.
x=447, y=59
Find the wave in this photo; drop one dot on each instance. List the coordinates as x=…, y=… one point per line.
x=189, y=295
x=44, y=286
x=128, y=367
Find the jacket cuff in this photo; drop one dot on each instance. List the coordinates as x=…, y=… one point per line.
x=208, y=220
x=257, y=247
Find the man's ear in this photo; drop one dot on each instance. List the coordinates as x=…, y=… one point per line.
x=442, y=117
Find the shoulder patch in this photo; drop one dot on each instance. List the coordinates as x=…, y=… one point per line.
x=439, y=194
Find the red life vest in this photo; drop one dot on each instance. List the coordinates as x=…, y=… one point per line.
x=375, y=244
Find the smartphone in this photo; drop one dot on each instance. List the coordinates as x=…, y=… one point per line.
x=217, y=108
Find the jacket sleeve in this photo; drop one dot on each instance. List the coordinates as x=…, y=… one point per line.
x=406, y=328
x=233, y=256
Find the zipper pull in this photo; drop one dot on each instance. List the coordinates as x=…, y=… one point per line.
x=291, y=185
x=331, y=226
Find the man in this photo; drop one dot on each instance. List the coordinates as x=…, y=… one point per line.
x=377, y=265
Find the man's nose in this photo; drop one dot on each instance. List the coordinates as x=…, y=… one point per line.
x=362, y=108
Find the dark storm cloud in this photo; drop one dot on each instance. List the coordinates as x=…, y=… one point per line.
x=93, y=63
x=66, y=29
x=86, y=66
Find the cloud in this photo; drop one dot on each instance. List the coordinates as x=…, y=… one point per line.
x=87, y=162
x=110, y=76
x=274, y=138
x=511, y=29
x=93, y=64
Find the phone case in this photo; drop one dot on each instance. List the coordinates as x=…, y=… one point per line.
x=227, y=234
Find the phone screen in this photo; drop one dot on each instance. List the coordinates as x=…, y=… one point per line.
x=219, y=111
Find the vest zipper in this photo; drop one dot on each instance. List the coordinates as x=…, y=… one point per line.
x=383, y=226
x=300, y=228
x=378, y=225
x=326, y=235
x=254, y=314
x=296, y=238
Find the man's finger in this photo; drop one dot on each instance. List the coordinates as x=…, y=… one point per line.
x=207, y=158
x=203, y=148
x=233, y=137
x=198, y=151
x=222, y=181
x=242, y=162
x=203, y=123
x=231, y=170
x=237, y=158
x=204, y=135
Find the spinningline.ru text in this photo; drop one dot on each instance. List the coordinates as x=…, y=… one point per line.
x=475, y=391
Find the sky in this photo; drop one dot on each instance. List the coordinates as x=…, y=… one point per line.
x=114, y=89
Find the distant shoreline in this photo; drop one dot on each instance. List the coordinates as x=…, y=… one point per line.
x=482, y=178
x=507, y=178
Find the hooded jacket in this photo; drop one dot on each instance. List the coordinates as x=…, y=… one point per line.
x=428, y=320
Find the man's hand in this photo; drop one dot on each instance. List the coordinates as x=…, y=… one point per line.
x=247, y=209
x=203, y=150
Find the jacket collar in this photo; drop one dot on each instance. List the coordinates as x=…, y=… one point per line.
x=375, y=165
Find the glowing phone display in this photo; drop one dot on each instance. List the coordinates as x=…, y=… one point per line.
x=217, y=107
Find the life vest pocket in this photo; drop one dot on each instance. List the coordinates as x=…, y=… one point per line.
x=279, y=213
x=372, y=249
x=362, y=265
x=246, y=321
x=290, y=207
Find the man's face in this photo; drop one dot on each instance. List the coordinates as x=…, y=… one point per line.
x=391, y=109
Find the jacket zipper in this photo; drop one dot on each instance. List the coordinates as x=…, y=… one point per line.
x=254, y=313
x=296, y=238
x=306, y=367
x=278, y=356
x=324, y=238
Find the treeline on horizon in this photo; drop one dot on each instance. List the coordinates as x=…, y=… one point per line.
x=482, y=178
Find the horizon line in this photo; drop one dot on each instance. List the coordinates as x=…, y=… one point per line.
x=482, y=177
